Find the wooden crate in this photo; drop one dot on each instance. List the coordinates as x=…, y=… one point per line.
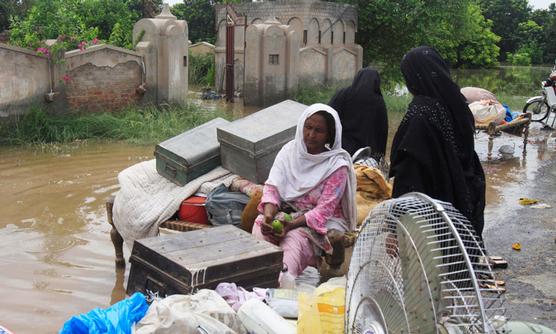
x=184, y=262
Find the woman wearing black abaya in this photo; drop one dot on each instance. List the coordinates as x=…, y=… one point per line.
x=362, y=113
x=433, y=151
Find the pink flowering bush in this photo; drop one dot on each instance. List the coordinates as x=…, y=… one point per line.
x=55, y=51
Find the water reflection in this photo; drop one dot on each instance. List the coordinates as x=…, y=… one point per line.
x=508, y=80
x=235, y=109
x=57, y=258
x=118, y=291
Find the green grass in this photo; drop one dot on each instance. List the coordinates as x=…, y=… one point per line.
x=201, y=70
x=147, y=125
x=323, y=94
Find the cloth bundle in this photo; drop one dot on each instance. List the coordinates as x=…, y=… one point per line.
x=487, y=111
x=372, y=188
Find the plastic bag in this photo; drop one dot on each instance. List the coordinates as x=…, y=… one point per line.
x=283, y=301
x=485, y=112
x=258, y=318
x=203, y=312
x=116, y=319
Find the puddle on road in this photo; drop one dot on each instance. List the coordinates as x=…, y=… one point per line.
x=57, y=258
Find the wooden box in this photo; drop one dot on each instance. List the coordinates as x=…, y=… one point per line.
x=191, y=154
x=183, y=262
x=248, y=146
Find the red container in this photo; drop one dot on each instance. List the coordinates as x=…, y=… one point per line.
x=193, y=210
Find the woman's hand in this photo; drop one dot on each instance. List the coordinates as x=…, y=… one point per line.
x=296, y=223
x=269, y=212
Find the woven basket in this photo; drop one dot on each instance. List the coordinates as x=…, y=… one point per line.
x=183, y=226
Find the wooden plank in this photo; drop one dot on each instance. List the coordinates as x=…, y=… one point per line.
x=223, y=252
x=191, y=239
x=177, y=243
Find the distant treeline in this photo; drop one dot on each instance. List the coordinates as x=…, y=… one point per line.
x=468, y=33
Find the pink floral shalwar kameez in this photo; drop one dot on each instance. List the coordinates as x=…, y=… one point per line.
x=321, y=205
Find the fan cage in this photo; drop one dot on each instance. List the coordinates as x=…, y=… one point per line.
x=446, y=283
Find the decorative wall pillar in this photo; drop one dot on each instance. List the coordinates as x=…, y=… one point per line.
x=163, y=42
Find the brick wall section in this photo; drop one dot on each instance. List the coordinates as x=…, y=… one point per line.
x=103, y=88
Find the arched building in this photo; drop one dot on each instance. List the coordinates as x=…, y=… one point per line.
x=282, y=43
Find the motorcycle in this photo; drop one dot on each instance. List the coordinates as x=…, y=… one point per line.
x=541, y=106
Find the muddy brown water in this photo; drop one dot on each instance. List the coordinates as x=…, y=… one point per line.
x=56, y=257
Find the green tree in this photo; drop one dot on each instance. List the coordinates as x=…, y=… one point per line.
x=477, y=46
x=546, y=19
x=457, y=29
x=73, y=21
x=145, y=8
x=506, y=16
x=199, y=15
x=12, y=8
x=48, y=19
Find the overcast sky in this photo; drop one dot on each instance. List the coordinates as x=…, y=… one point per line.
x=540, y=3
x=535, y=3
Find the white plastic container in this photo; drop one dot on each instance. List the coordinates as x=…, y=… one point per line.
x=258, y=318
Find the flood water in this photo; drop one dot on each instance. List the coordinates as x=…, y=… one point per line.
x=57, y=259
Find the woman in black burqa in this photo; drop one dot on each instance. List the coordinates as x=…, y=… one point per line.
x=362, y=113
x=433, y=151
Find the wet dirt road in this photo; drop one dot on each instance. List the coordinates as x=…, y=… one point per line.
x=57, y=258
x=531, y=273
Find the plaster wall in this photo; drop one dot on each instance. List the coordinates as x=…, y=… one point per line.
x=201, y=48
x=319, y=28
x=312, y=66
x=101, y=77
x=24, y=79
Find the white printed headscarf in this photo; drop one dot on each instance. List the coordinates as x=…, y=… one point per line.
x=295, y=171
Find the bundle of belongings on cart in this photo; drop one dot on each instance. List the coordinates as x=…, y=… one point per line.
x=486, y=108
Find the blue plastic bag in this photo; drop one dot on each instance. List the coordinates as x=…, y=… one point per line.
x=509, y=114
x=116, y=319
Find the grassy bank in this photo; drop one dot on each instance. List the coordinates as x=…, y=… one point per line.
x=147, y=125
x=323, y=94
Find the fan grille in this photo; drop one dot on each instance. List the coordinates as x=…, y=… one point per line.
x=416, y=266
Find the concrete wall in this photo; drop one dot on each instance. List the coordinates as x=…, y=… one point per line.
x=325, y=32
x=102, y=78
x=201, y=48
x=164, y=46
x=24, y=79
x=271, y=53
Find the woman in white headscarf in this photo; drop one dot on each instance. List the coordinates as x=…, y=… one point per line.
x=314, y=176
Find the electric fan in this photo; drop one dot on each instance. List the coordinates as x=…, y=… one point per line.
x=416, y=268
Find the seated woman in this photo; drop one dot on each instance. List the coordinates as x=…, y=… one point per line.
x=363, y=115
x=433, y=151
x=314, y=176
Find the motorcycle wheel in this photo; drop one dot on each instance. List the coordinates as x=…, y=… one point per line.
x=539, y=110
